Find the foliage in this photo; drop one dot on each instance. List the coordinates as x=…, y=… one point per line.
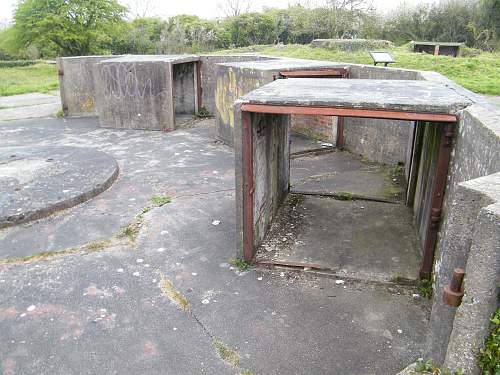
x=240, y=264
x=41, y=77
x=428, y=367
x=161, y=200
x=479, y=74
x=16, y=63
x=489, y=357
x=67, y=27
x=425, y=288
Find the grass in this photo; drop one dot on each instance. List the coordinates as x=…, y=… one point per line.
x=41, y=77
x=161, y=200
x=172, y=294
x=226, y=353
x=240, y=263
x=480, y=74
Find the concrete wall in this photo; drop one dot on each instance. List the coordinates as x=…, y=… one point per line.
x=76, y=84
x=322, y=128
x=209, y=74
x=237, y=79
x=134, y=94
x=382, y=141
x=232, y=84
x=271, y=168
x=475, y=155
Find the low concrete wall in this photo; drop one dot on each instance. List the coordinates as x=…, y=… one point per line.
x=134, y=94
x=471, y=326
x=209, y=74
x=76, y=84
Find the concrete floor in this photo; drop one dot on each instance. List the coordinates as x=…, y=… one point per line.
x=341, y=171
x=359, y=239
x=114, y=306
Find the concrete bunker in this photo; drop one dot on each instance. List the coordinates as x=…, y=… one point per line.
x=147, y=92
x=236, y=79
x=262, y=147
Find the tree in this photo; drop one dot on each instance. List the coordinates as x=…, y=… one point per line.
x=73, y=27
x=233, y=8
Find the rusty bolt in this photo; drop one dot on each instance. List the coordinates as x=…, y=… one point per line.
x=453, y=293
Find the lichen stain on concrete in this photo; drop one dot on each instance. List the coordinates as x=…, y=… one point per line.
x=88, y=104
x=176, y=297
x=8, y=366
x=149, y=349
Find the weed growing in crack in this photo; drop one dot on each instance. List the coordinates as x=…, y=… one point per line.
x=226, y=353
x=161, y=200
x=172, y=294
x=240, y=263
x=425, y=288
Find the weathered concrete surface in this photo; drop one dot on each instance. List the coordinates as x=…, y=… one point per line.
x=150, y=163
x=475, y=155
x=209, y=74
x=357, y=239
x=395, y=95
x=76, y=84
x=338, y=172
x=32, y=105
x=471, y=323
x=301, y=143
x=237, y=79
x=144, y=92
x=38, y=181
x=104, y=312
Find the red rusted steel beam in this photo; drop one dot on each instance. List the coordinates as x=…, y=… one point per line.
x=340, y=132
x=337, y=73
x=348, y=112
x=438, y=189
x=199, y=88
x=248, y=202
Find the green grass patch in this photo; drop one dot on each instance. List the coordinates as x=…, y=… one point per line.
x=489, y=357
x=161, y=200
x=480, y=73
x=226, y=353
x=240, y=263
x=40, y=77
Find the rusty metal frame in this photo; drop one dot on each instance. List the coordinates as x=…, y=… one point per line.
x=199, y=88
x=316, y=73
x=438, y=189
x=248, y=189
x=348, y=112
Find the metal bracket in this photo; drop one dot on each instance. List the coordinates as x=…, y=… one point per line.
x=453, y=292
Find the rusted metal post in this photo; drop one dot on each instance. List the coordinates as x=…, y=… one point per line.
x=247, y=165
x=453, y=293
x=199, y=88
x=438, y=190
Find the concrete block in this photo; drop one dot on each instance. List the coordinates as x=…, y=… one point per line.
x=209, y=74
x=76, y=84
x=146, y=92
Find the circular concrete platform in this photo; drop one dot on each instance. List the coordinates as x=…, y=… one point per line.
x=37, y=181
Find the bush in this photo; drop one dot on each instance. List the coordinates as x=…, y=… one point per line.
x=489, y=357
x=16, y=63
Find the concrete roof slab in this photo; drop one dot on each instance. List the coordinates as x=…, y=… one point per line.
x=391, y=95
x=285, y=64
x=174, y=59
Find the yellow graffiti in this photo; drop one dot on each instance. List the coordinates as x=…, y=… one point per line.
x=226, y=93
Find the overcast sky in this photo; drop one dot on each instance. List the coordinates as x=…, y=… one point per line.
x=202, y=8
